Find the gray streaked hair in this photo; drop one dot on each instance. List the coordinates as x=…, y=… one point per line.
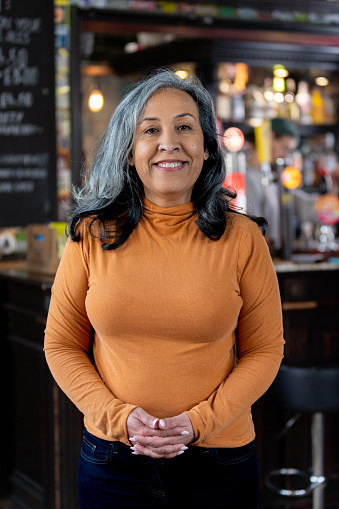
x=109, y=172
x=112, y=194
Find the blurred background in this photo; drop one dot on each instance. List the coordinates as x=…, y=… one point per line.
x=272, y=69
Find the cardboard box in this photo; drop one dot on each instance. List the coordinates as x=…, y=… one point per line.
x=45, y=246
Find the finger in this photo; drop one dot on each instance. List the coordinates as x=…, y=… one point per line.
x=169, y=451
x=183, y=423
x=157, y=442
x=140, y=422
x=173, y=432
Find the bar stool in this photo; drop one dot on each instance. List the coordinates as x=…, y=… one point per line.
x=313, y=389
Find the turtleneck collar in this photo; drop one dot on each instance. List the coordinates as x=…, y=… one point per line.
x=168, y=217
x=177, y=210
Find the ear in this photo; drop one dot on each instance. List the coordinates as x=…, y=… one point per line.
x=131, y=159
x=206, y=154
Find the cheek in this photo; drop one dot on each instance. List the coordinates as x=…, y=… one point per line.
x=198, y=155
x=141, y=157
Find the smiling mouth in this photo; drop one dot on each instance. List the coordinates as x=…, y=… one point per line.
x=174, y=166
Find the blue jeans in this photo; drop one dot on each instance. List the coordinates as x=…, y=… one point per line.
x=111, y=477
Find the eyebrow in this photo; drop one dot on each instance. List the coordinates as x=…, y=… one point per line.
x=179, y=115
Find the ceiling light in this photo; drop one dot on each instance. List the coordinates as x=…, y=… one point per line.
x=182, y=74
x=96, y=100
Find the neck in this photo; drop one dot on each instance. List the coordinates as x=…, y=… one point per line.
x=168, y=200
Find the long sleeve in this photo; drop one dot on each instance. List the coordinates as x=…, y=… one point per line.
x=259, y=342
x=159, y=315
x=68, y=339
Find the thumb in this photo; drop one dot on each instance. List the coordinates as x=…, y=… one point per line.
x=149, y=420
x=181, y=420
x=170, y=422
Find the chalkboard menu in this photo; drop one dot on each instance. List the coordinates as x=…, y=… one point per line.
x=27, y=113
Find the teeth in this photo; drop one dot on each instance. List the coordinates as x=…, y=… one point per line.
x=169, y=165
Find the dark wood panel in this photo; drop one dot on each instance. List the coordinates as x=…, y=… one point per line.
x=6, y=400
x=46, y=431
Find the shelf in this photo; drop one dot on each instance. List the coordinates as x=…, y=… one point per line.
x=311, y=130
x=304, y=130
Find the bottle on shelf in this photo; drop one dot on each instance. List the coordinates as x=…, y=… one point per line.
x=318, y=107
x=242, y=100
x=271, y=106
x=238, y=107
x=293, y=110
x=224, y=106
x=330, y=108
x=255, y=105
x=304, y=101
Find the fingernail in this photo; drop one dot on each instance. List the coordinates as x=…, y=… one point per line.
x=162, y=423
x=136, y=453
x=132, y=448
x=154, y=423
x=185, y=433
x=180, y=452
x=183, y=448
x=132, y=439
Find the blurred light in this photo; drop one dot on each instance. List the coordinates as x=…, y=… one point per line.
x=234, y=139
x=278, y=84
x=96, y=101
x=321, y=81
x=279, y=71
x=182, y=74
x=258, y=96
x=255, y=121
x=132, y=47
x=241, y=76
x=64, y=89
x=289, y=97
x=291, y=178
x=279, y=97
x=225, y=86
x=269, y=95
x=95, y=70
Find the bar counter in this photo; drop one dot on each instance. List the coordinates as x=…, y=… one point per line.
x=46, y=429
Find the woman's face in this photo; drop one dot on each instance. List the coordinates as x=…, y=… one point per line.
x=168, y=151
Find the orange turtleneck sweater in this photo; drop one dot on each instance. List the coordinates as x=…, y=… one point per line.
x=163, y=313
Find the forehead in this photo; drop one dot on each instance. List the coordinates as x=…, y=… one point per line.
x=172, y=101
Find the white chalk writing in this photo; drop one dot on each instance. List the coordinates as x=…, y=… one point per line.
x=19, y=173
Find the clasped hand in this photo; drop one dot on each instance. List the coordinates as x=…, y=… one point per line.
x=159, y=438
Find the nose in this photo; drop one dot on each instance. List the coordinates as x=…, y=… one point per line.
x=168, y=141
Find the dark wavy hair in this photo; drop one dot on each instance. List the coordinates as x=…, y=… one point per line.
x=112, y=189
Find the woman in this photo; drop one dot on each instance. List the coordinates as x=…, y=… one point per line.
x=159, y=286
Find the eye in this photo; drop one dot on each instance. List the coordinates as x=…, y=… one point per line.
x=151, y=130
x=184, y=127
